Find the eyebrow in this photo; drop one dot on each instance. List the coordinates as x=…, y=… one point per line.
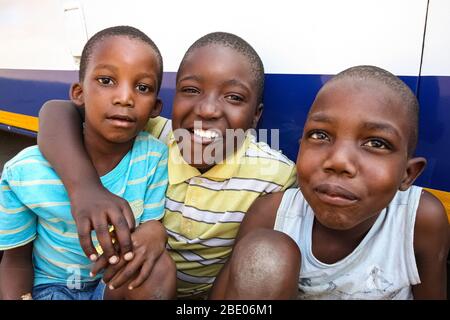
x=380, y=126
x=190, y=77
x=106, y=66
x=235, y=82
x=372, y=126
x=320, y=117
x=115, y=69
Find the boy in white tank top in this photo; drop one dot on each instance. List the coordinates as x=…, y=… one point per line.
x=355, y=228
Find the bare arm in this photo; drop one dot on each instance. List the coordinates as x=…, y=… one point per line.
x=16, y=273
x=60, y=139
x=431, y=246
x=60, y=128
x=260, y=215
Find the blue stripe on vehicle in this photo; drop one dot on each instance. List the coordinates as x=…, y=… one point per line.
x=287, y=99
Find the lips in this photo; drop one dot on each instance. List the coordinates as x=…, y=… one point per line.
x=335, y=195
x=121, y=120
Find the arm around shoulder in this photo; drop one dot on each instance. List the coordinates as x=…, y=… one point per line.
x=431, y=247
x=56, y=116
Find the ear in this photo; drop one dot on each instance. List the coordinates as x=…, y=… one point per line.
x=257, y=116
x=76, y=94
x=156, y=108
x=414, y=168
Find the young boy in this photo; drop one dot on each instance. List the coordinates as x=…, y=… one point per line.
x=219, y=87
x=363, y=230
x=120, y=76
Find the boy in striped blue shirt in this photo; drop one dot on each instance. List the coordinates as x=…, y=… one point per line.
x=120, y=76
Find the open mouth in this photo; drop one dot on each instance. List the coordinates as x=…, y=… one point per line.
x=205, y=136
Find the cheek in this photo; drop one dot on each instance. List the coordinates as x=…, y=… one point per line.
x=383, y=174
x=239, y=119
x=382, y=183
x=306, y=164
x=180, y=110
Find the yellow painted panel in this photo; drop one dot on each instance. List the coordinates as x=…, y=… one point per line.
x=19, y=120
x=444, y=197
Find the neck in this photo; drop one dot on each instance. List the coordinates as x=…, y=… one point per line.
x=105, y=155
x=331, y=245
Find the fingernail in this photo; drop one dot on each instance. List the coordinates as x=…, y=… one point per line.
x=93, y=257
x=111, y=287
x=128, y=256
x=113, y=260
x=91, y=274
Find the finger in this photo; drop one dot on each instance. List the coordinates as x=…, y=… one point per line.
x=112, y=270
x=99, y=265
x=104, y=238
x=123, y=235
x=129, y=216
x=128, y=273
x=145, y=272
x=84, y=228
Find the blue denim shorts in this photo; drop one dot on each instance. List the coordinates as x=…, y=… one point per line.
x=59, y=291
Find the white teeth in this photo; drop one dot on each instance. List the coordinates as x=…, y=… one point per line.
x=208, y=134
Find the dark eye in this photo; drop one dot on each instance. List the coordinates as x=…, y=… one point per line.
x=106, y=81
x=234, y=97
x=377, y=143
x=318, y=135
x=143, y=88
x=190, y=90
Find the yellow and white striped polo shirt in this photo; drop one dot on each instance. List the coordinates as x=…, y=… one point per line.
x=204, y=211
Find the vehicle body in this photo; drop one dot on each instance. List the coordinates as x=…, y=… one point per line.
x=301, y=42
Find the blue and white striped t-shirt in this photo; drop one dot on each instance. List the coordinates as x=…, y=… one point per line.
x=34, y=205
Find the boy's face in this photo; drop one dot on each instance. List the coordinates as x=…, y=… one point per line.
x=215, y=91
x=354, y=153
x=119, y=89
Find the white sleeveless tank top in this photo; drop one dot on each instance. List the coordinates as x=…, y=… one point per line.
x=382, y=266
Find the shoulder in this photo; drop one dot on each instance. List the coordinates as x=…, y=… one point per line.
x=431, y=226
x=159, y=127
x=146, y=143
x=267, y=164
x=263, y=151
x=262, y=213
x=28, y=160
x=431, y=212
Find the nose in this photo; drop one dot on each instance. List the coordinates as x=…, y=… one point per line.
x=208, y=107
x=341, y=159
x=123, y=96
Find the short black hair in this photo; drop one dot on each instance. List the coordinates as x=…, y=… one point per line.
x=125, y=31
x=238, y=44
x=367, y=72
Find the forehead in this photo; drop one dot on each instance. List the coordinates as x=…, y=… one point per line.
x=125, y=49
x=362, y=101
x=218, y=61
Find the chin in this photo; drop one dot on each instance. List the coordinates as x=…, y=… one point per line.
x=202, y=166
x=334, y=221
x=121, y=139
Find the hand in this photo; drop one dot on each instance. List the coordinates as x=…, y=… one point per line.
x=149, y=241
x=96, y=208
